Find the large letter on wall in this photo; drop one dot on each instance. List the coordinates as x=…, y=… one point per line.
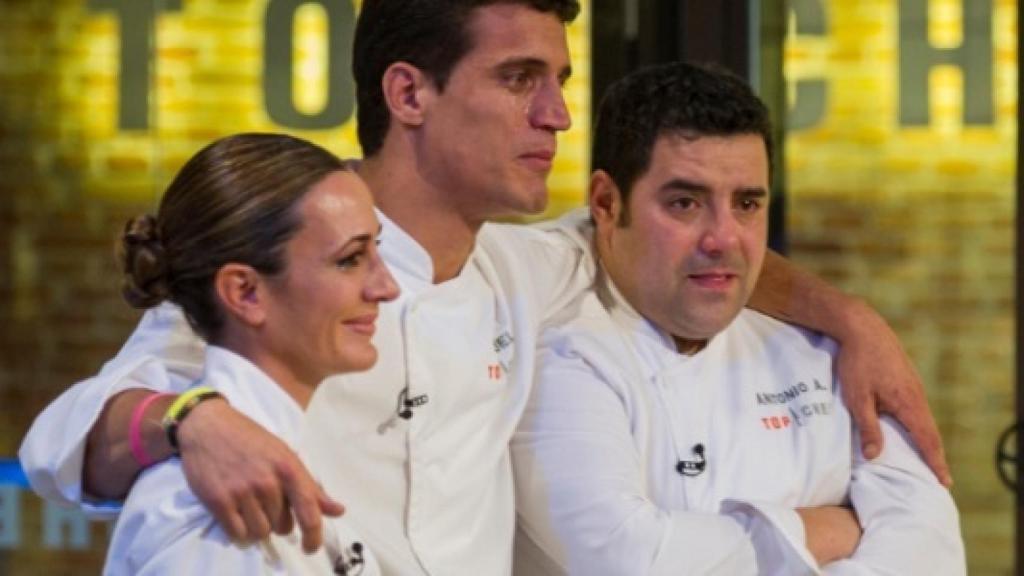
x=973, y=57
x=137, y=23
x=811, y=95
x=57, y=521
x=10, y=516
x=278, y=64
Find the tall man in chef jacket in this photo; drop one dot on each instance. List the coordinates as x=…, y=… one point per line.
x=672, y=431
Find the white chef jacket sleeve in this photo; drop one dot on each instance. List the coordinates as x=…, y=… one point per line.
x=582, y=501
x=166, y=530
x=162, y=354
x=910, y=522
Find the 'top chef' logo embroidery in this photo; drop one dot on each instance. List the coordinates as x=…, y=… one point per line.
x=797, y=411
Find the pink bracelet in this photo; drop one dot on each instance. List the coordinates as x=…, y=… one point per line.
x=135, y=430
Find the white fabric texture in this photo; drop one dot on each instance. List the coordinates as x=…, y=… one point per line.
x=615, y=410
x=164, y=529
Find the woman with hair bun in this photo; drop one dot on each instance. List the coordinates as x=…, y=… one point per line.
x=268, y=243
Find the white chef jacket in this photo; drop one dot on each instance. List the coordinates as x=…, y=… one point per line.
x=616, y=409
x=432, y=494
x=165, y=529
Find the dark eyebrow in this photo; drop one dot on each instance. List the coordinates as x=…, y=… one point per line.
x=757, y=192
x=360, y=239
x=534, y=65
x=684, y=185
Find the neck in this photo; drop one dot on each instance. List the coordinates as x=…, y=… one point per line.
x=423, y=210
x=300, y=387
x=689, y=347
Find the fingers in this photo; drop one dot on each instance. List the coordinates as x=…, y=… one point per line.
x=328, y=505
x=227, y=515
x=257, y=525
x=285, y=523
x=933, y=453
x=248, y=511
x=871, y=439
x=270, y=499
x=877, y=375
x=252, y=482
x=865, y=418
x=909, y=406
x=924, y=433
x=303, y=495
x=230, y=464
x=311, y=525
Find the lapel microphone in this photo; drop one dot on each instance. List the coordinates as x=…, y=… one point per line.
x=403, y=409
x=406, y=404
x=693, y=467
x=350, y=562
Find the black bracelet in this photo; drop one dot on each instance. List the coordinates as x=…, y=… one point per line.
x=181, y=408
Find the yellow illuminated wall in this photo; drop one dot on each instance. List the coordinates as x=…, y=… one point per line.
x=77, y=158
x=206, y=74
x=900, y=180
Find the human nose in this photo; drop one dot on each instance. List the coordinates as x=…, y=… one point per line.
x=380, y=285
x=721, y=233
x=548, y=110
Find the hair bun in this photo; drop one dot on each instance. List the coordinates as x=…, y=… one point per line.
x=145, y=282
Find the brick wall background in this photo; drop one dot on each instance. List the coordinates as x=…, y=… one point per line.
x=920, y=222
x=69, y=178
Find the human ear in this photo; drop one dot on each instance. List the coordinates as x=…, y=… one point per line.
x=405, y=89
x=605, y=200
x=240, y=290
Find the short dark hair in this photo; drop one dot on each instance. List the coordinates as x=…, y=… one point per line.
x=679, y=98
x=432, y=35
x=234, y=201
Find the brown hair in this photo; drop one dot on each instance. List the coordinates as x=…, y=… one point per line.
x=681, y=99
x=432, y=35
x=231, y=202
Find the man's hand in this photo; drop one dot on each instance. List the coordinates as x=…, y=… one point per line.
x=878, y=376
x=833, y=532
x=249, y=480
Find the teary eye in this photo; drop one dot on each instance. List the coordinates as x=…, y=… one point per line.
x=518, y=80
x=749, y=204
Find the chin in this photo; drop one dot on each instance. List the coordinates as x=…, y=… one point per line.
x=713, y=327
x=533, y=197
x=539, y=198
x=359, y=360
x=700, y=328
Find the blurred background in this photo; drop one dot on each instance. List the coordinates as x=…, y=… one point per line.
x=897, y=182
